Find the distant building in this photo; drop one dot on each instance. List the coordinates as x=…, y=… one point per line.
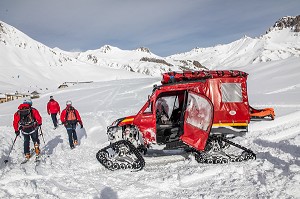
x=2, y=98
x=35, y=94
x=67, y=84
x=14, y=96
x=64, y=85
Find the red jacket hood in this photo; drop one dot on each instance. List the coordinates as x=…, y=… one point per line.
x=21, y=106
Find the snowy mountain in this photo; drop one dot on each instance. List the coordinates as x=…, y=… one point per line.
x=124, y=59
x=276, y=44
x=27, y=65
x=140, y=60
x=21, y=54
x=280, y=42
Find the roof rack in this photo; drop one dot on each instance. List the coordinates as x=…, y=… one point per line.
x=173, y=77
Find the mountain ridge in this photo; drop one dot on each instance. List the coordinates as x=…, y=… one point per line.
x=20, y=51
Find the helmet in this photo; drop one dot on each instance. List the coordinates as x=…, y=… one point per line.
x=51, y=97
x=27, y=101
x=69, y=102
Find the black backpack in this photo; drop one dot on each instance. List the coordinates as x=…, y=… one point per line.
x=26, y=118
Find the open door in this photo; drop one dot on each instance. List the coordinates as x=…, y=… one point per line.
x=145, y=121
x=198, y=119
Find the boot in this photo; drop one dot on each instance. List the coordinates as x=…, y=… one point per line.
x=27, y=156
x=37, y=149
x=75, y=142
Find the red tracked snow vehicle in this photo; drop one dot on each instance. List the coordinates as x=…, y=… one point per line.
x=197, y=111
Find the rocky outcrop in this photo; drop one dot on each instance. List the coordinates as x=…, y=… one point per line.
x=105, y=49
x=198, y=65
x=143, y=49
x=1, y=28
x=293, y=23
x=151, y=59
x=92, y=58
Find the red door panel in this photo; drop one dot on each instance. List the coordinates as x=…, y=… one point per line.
x=198, y=120
x=145, y=120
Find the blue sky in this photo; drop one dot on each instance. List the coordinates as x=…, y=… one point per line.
x=166, y=27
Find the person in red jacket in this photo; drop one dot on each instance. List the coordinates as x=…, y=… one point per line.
x=53, y=108
x=27, y=120
x=70, y=117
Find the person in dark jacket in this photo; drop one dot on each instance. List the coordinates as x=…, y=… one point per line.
x=70, y=117
x=52, y=109
x=27, y=120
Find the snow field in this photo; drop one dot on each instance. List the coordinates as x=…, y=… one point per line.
x=65, y=173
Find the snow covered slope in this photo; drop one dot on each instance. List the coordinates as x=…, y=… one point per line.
x=65, y=173
x=125, y=59
x=22, y=58
x=276, y=44
x=27, y=65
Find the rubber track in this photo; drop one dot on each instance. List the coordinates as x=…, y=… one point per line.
x=113, y=164
x=246, y=155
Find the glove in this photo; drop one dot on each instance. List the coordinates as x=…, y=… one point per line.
x=17, y=133
x=81, y=126
x=20, y=128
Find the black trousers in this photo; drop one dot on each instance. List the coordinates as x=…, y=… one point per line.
x=71, y=130
x=34, y=137
x=54, y=119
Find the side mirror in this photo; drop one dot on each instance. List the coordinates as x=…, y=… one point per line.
x=154, y=87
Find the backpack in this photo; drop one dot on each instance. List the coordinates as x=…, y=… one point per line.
x=26, y=118
x=71, y=115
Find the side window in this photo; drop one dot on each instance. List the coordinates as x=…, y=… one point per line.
x=198, y=112
x=167, y=104
x=231, y=92
x=149, y=108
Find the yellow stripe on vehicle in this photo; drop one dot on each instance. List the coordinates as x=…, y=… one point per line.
x=128, y=120
x=230, y=124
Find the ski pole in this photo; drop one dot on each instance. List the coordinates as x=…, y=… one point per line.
x=5, y=161
x=42, y=135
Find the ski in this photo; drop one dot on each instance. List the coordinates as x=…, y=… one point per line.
x=25, y=161
x=36, y=161
x=31, y=154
